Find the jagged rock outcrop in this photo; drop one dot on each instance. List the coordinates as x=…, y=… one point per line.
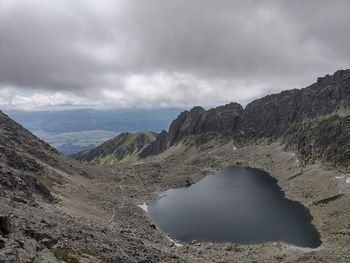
x=125, y=147
x=277, y=115
x=326, y=139
x=223, y=119
x=159, y=145
x=311, y=120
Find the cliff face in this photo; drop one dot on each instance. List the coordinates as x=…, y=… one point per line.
x=223, y=119
x=276, y=115
x=125, y=147
x=310, y=120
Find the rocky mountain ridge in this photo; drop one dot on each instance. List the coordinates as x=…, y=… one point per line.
x=123, y=148
x=313, y=121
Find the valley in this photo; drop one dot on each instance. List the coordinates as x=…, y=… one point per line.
x=75, y=141
x=62, y=210
x=72, y=131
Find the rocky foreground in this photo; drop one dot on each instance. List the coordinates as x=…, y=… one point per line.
x=96, y=219
x=55, y=209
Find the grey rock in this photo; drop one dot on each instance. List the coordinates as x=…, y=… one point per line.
x=5, y=225
x=159, y=145
x=48, y=242
x=46, y=256
x=43, y=238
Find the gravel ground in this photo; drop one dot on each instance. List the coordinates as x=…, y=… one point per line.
x=96, y=217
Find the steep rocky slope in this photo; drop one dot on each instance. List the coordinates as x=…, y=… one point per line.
x=53, y=209
x=313, y=121
x=125, y=147
x=23, y=162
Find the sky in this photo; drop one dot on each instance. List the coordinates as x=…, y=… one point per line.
x=157, y=53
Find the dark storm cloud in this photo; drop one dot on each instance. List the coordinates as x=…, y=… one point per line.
x=240, y=38
x=39, y=46
x=174, y=52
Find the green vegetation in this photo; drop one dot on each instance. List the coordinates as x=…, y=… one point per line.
x=125, y=148
x=305, y=258
x=64, y=255
x=89, y=252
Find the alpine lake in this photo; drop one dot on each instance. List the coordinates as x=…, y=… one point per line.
x=237, y=204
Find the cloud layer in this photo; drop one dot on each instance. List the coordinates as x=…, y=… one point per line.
x=127, y=53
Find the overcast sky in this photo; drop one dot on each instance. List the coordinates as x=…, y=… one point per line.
x=160, y=53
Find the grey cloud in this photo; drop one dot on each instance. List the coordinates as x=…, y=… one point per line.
x=40, y=47
x=87, y=46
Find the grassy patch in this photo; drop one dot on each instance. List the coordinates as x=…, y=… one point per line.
x=306, y=257
x=125, y=148
x=328, y=199
x=64, y=255
x=89, y=252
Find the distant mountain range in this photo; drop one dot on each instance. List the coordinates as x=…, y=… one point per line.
x=313, y=121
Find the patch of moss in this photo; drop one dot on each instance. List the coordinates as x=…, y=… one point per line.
x=93, y=253
x=64, y=255
x=306, y=257
x=130, y=158
x=328, y=199
x=109, y=159
x=127, y=148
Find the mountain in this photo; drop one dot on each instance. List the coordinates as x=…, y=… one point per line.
x=126, y=147
x=27, y=163
x=313, y=121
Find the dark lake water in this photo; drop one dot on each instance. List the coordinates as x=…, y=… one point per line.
x=237, y=204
